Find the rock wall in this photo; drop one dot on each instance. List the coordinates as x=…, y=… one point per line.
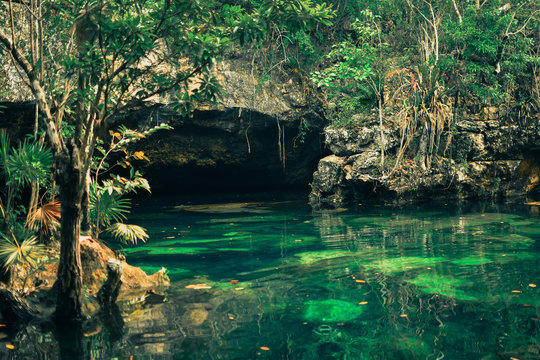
x=260, y=136
x=482, y=157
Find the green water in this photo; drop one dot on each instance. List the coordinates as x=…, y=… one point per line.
x=276, y=281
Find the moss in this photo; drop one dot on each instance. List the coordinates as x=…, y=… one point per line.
x=331, y=310
x=471, y=261
x=402, y=264
x=432, y=283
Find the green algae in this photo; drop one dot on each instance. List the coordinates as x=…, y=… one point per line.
x=471, y=261
x=504, y=258
x=513, y=240
x=414, y=345
x=402, y=264
x=311, y=257
x=432, y=283
x=331, y=310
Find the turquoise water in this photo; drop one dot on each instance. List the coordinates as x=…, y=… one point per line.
x=277, y=281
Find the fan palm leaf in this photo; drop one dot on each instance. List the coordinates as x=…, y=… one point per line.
x=107, y=207
x=128, y=233
x=45, y=217
x=26, y=252
x=29, y=163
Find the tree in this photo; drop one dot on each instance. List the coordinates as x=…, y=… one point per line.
x=359, y=62
x=87, y=60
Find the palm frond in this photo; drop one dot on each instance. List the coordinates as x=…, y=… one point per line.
x=107, y=207
x=26, y=252
x=29, y=163
x=128, y=232
x=46, y=217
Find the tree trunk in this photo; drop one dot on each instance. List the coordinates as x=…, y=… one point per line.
x=69, y=282
x=85, y=208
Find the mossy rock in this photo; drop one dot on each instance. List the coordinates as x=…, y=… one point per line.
x=331, y=310
x=432, y=283
x=402, y=264
x=472, y=261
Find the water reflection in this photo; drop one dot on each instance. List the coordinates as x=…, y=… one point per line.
x=287, y=284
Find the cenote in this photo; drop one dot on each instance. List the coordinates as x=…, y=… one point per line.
x=274, y=280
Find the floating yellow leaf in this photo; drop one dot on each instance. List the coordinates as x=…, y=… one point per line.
x=239, y=288
x=532, y=285
x=361, y=281
x=198, y=286
x=362, y=303
x=231, y=317
x=265, y=348
x=516, y=291
x=10, y=346
x=403, y=315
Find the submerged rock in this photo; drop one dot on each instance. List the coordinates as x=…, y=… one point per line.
x=331, y=310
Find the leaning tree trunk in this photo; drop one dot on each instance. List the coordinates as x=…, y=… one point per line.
x=69, y=282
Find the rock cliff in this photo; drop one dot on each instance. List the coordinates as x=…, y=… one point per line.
x=261, y=135
x=481, y=157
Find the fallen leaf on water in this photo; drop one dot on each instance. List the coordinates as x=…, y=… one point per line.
x=169, y=237
x=198, y=286
x=516, y=291
x=298, y=240
x=362, y=303
x=234, y=281
x=231, y=317
x=3, y=325
x=239, y=288
x=403, y=315
x=10, y=346
x=532, y=285
x=361, y=281
x=265, y=348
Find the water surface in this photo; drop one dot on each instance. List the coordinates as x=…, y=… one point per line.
x=274, y=280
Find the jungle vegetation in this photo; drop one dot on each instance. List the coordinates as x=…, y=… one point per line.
x=86, y=61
